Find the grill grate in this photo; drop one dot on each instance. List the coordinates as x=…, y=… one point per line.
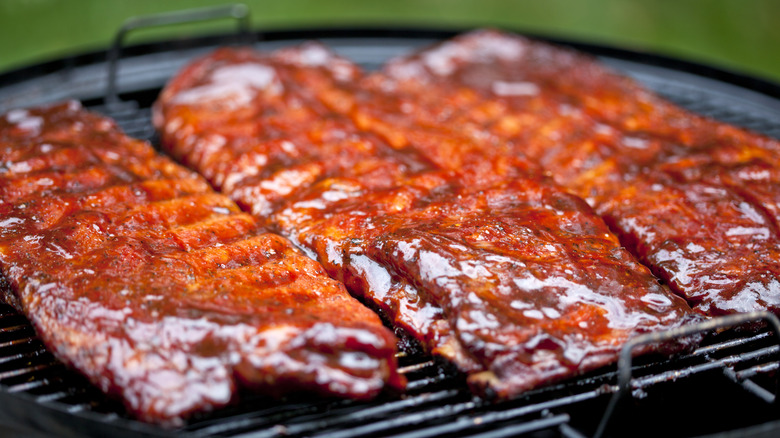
x=726, y=384
x=737, y=368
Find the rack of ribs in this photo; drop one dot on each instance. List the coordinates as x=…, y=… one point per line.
x=134, y=272
x=473, y=252
x=696, y=200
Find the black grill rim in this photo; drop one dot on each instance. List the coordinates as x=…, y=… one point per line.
x=721, y=74
x=22, y=409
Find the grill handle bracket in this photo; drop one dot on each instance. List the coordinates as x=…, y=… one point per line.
x=722, y=322
x=237, y=11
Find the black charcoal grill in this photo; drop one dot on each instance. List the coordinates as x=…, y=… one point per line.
x=725, y=388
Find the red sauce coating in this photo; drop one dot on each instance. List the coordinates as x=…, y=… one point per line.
x=162, y=292
x=474, y=252
x=694, y=199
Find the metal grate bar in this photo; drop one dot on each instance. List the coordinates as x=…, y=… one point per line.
x=416, y=367
x=33, y=354
x=26, y=370
x=755, y=355
x=749, y=385
x=246, y=416
x=409, y=420
x=78, y=408
x=52, y=397
x=457, y=422
x=14, y=328
x=671, y=375
x=757, y=369
x=16, y=342
x=465, y=424
x=329, y=415
x=569, y=432
x=9, y=313
x=758, y=391
x=362, y=414
x=27, y=386
x=427, y=381
x=732, y=343
x=511, y=414
x=519, y=429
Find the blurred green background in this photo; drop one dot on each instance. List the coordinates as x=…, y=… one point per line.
x=738, y=35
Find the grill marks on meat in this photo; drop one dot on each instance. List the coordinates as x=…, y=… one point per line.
x=162, y=292
x=293, y=162
x=696, y=200
x=472, y=251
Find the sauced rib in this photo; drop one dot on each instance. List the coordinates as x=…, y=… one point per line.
x=281, y=153
x=473, y=252
x=162, y=292
x=694, y=199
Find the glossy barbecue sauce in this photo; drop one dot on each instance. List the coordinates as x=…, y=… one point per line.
x=694, y=199
x=473, y=251
x=134, y=272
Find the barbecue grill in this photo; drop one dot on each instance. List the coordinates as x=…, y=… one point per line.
x=726, y=387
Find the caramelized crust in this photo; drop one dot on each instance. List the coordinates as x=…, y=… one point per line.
x=694, y=199
x=474, y=252
x=163, y=293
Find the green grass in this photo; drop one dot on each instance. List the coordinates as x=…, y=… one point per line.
x=738, y=35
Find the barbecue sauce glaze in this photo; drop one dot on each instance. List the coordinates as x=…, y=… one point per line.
x=473, y=251
x=160, y=291
x=696, y=200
